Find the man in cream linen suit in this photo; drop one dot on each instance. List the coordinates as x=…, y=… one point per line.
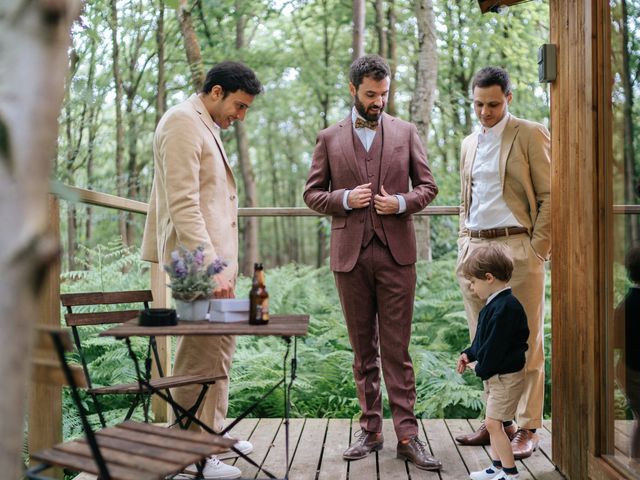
x=194, y=202
x=505, y=190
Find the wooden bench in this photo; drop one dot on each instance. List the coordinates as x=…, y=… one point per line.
x=127, y=451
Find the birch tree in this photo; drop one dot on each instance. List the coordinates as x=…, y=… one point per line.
x=31, y=91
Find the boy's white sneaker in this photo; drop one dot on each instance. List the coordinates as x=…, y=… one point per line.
x=506, y=476
x=214, y=469
x=489, y=473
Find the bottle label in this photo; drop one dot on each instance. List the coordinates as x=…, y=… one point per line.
x=258, y=316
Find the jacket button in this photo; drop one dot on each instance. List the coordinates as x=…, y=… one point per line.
x=233, y=224
x=232, y=197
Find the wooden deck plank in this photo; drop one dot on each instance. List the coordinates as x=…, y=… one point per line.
x=333, y=467
x=445, y=449
x=262, y=439
x=389, y=467
x=276, y=458
x=308, y=452
x=545, y=442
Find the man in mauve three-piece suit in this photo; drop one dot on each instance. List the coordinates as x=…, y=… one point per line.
x=194, y=202
x=505, y=170
x=360, y=174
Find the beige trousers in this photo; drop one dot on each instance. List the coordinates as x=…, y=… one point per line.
x=527, y=284
x=205, y=355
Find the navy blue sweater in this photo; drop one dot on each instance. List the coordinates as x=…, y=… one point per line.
x=501, y=338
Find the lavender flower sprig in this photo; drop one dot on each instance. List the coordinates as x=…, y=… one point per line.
x=189, y=278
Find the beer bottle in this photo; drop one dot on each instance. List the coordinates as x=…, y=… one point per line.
x=258, y=298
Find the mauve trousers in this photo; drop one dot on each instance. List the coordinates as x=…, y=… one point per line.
x=377, y=301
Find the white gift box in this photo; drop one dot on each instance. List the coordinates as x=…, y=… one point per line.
x=229, y=310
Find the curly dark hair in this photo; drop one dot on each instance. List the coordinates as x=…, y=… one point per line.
x=372, y=66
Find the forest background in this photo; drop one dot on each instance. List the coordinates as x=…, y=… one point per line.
x=132, y=59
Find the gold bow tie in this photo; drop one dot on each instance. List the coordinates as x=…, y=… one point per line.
x=370, y=124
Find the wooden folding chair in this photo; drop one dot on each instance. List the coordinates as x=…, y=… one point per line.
x=77, y=320
x=127, y=451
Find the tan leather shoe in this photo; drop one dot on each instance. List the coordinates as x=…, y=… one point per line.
x=415, y=453
x=366, y=443
x=524, y=443
x=481, y=436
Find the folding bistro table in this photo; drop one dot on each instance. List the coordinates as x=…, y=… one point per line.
x=284, y=326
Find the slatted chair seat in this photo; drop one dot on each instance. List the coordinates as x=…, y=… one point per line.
x=157, y=383
x=128, y=451
x=78, y=320
x=136, y=451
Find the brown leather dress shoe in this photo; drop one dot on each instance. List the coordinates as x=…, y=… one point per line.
x=366, y=443
x=415, y=453
x=524, y=443
x=481, y=436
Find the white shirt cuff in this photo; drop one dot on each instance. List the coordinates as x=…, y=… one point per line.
x=345, y=204
x=402, y=207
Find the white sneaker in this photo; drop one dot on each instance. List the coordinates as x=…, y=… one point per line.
x=506, y=476
x=243, y=446
x=489, y=473
x=214, y=469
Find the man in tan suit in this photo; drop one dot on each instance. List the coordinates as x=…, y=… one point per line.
x=194, y=202
x=360, y=175
x=505, y=190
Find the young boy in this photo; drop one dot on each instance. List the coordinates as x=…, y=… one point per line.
x=498, y=348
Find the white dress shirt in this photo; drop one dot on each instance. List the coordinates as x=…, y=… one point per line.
x=488, y=208
x=366, y=136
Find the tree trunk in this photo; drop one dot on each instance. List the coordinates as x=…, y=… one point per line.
x=632, y=233
x=191, y=45
x=250, y=231
x=357, y=46
x=31, y=92
x=161, y=86
x=381, y=29
x=120, y=185
x=393, y=57
x=423, y=98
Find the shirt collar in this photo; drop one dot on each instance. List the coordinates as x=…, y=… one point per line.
x=494, y=295
x=497, y=129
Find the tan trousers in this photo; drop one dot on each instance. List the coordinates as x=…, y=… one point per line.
x=527, y=284
x=205, y=355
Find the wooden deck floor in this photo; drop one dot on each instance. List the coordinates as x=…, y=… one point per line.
x=316, y=447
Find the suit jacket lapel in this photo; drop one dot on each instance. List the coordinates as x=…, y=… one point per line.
x=208, y=122
x=348, y=151
x=389, y=138
x=470, y=157
x=508, y=136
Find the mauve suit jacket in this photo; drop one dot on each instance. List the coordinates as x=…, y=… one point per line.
x=334, y=168
x=193, y=199
x=525, y=169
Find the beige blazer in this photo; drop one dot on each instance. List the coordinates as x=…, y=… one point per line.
x=525, y=169
x=193, y=199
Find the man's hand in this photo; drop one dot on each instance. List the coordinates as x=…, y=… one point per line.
x=360, y=196
x=224, y=288
x=386, y=204
x=463, y=361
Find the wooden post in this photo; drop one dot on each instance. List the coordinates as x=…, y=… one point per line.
x=45, y=401
x=161, y=411
x=580, y=195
